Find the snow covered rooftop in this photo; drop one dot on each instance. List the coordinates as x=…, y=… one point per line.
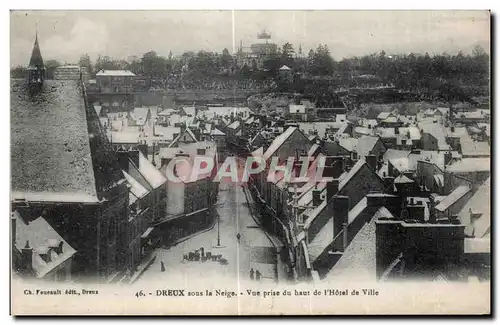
x=50, y=147
x=116, y=73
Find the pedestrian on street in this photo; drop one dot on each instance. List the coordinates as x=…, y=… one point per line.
x=257, y=275
x=251, y=274
x=162, y=266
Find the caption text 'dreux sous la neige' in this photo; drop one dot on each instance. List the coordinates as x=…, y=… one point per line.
x=257, y=293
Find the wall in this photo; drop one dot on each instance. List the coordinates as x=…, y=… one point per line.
x=425, y=176
x=175, y=198
x=429, y=142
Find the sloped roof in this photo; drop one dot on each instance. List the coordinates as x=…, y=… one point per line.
x=472, y=148
x=402, y=179
x=278, y=142
x=176, y=140
x=166, y=132
x=358, y=260
x=354, y=170
x=216, y=131
x=479, y=203
x=137, y=191
x=234, y=125
x=284, y=67
x=49, y=133
x=41, y=235
x=152, y=175
x=453, y=197
x=395, y=154
x=36, y=59
x=466, y=165
x=383, y=115
x=250, y=120
x=321, y=241
x=401, y=164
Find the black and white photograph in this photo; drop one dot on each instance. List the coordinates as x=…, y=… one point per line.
x=250, y=162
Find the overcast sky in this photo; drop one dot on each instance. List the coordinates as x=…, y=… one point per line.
x=64, y=35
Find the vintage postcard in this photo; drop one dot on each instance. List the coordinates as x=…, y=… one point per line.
x=228, y=162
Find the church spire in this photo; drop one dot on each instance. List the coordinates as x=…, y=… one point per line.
x=36, y=59
x=36, y=68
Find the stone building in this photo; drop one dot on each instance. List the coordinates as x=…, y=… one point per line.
x=65, y=171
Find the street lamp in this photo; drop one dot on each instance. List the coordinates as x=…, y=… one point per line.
x=218, y=233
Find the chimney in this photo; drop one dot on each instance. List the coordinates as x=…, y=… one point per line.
x=388, y=183
x=416, y=210
x=391, y=202
x=371, y=160
x=388, y=244
x=432, y=210
x=27, y=257
x=332, y=188
x=452, y=129
x=338, y=166
x=396, y=130
x=447, y=158
x=316, y=194
x=340, y=221
x=134, y=156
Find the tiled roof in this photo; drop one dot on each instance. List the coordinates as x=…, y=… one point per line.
x=50, y=151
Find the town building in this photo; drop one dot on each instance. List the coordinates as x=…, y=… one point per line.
x=115, y=89
x=63, y=165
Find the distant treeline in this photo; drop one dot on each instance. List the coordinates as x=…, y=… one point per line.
x=441, y=76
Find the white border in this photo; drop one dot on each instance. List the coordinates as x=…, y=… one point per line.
x=148, y=4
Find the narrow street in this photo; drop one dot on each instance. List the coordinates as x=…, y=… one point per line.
x=242, y=255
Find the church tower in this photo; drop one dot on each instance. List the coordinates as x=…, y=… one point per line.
x=36, y=68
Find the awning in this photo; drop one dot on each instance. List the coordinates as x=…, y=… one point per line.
x=147, y=232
